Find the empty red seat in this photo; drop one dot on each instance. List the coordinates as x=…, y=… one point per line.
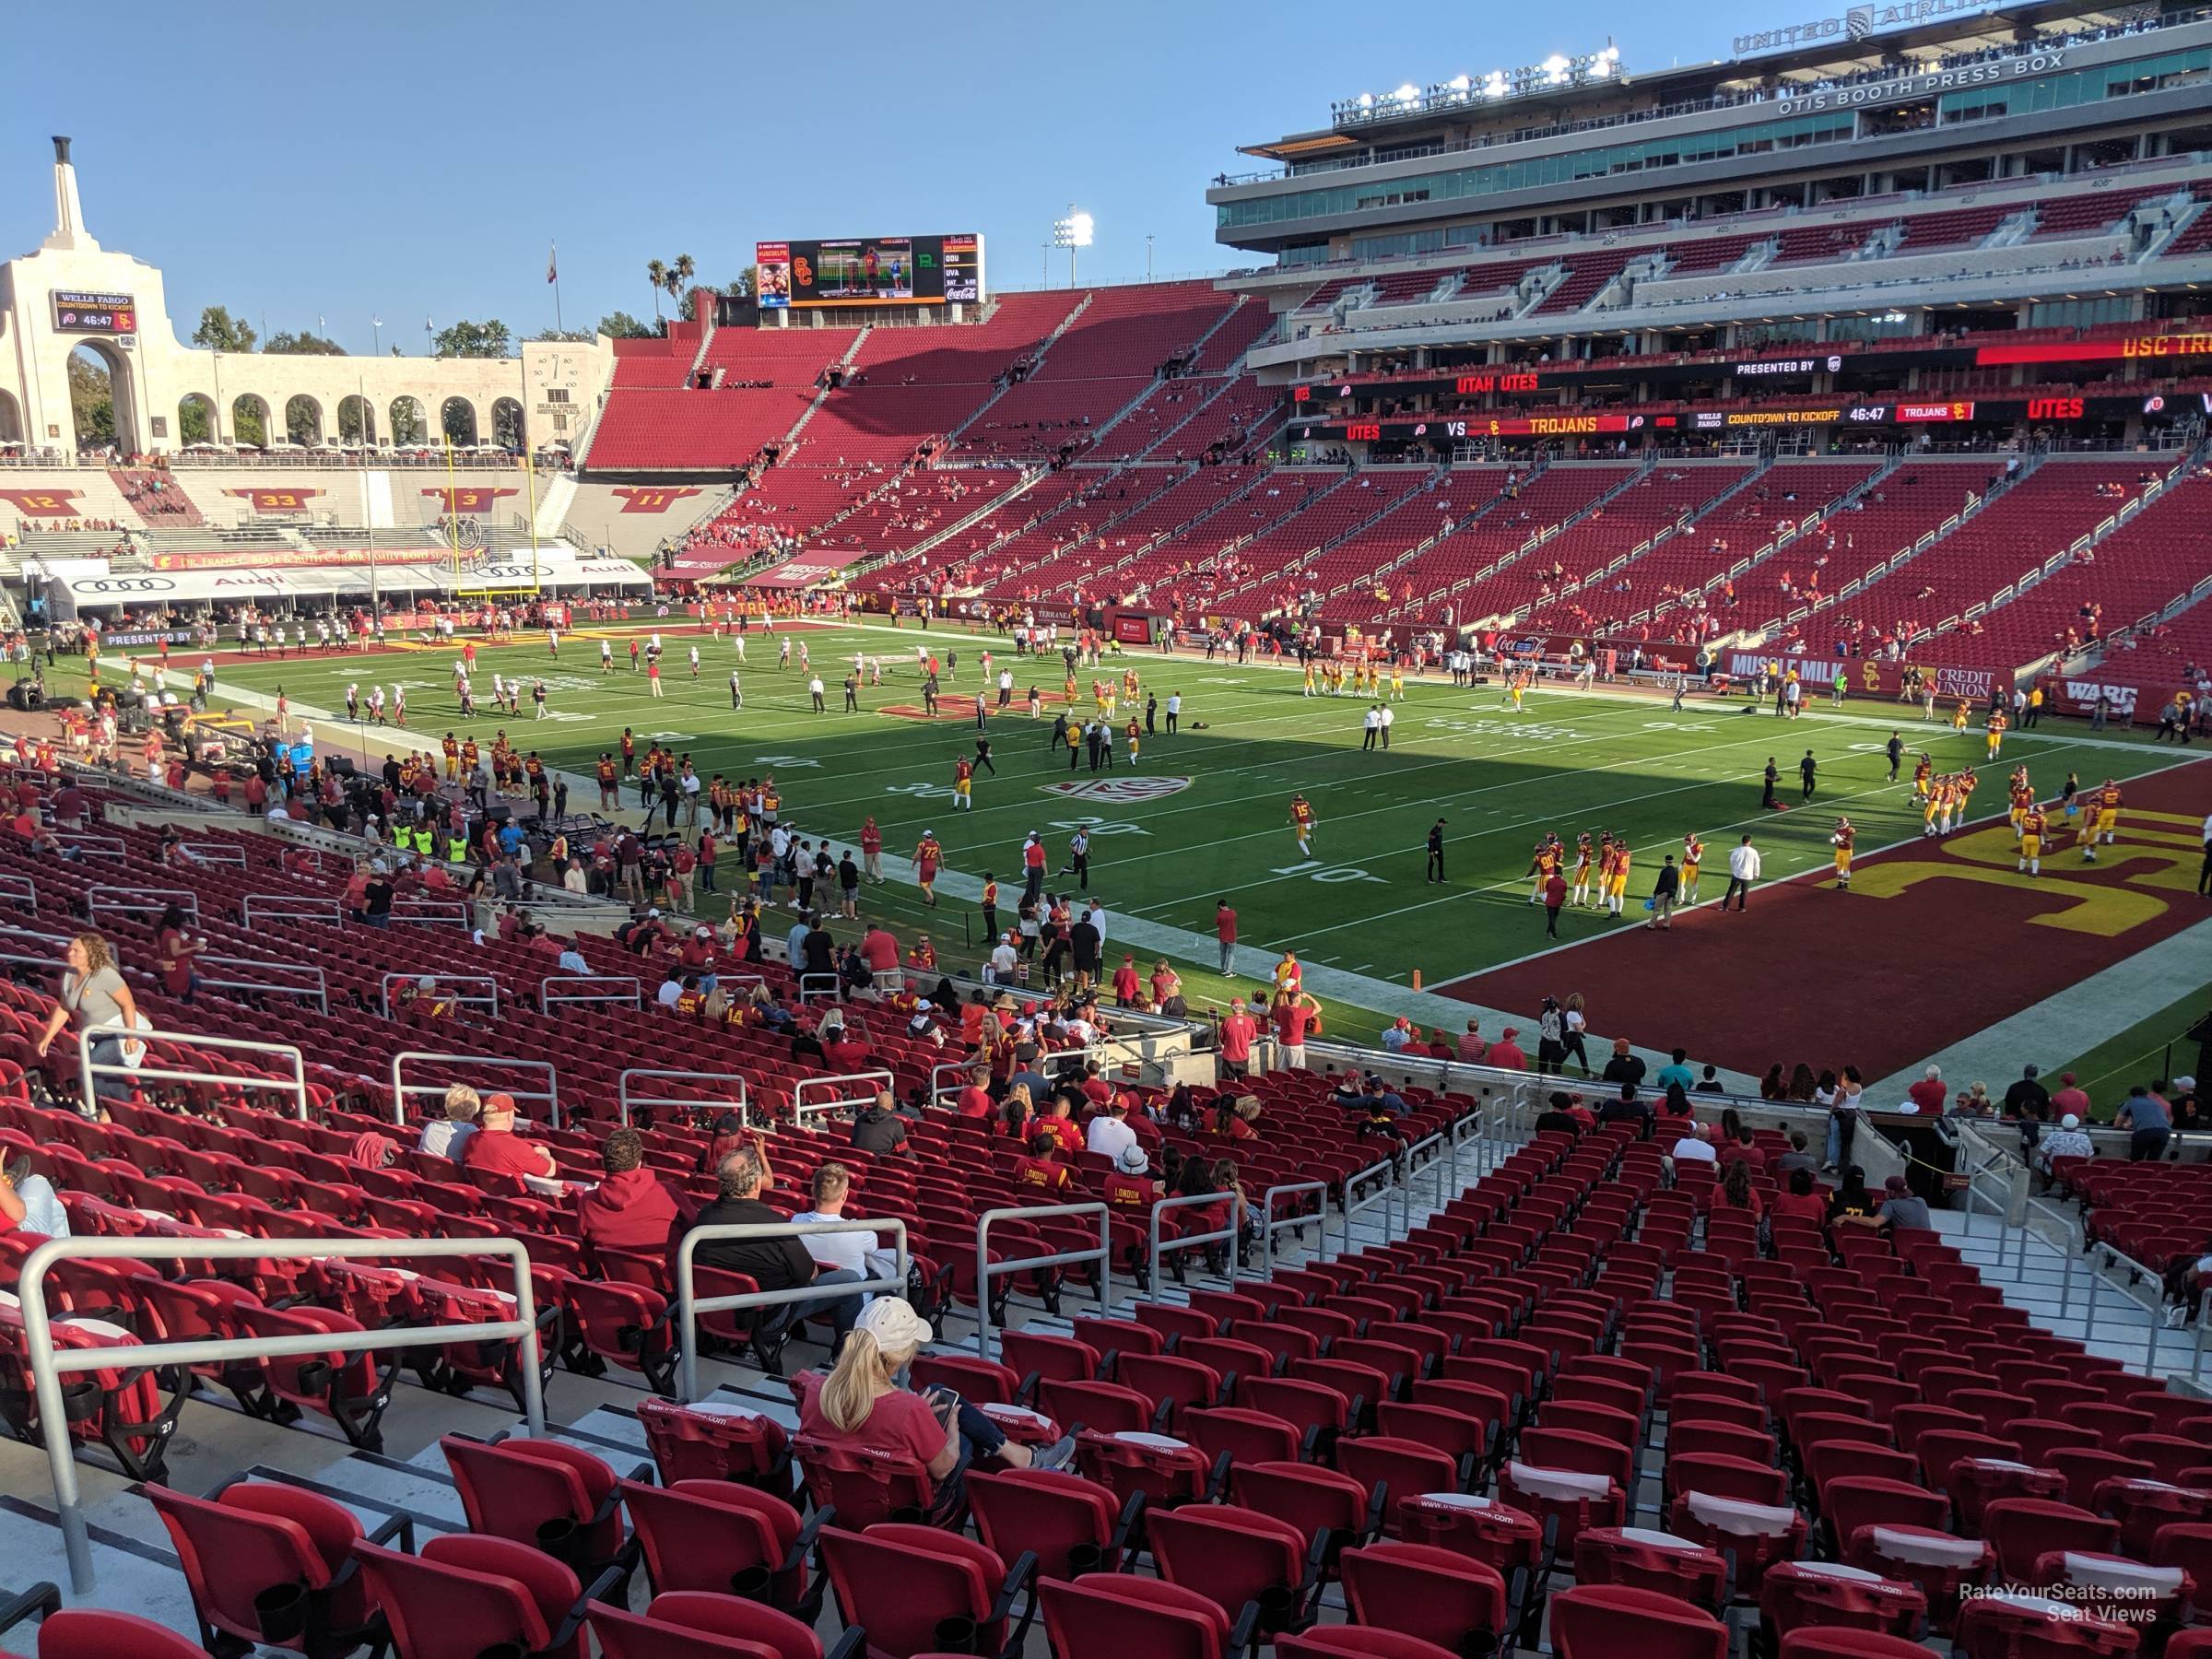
x=691, y=1624
x=83, y=1633
x=919, y=1589
x=1111, y=1615
x=1604, y=1621
x=269, y=1563
x=463, y=1594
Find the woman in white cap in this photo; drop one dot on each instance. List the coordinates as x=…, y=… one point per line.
x=861, y=1404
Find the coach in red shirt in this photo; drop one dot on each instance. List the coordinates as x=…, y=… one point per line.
x=629, y=1209
x=497, y=1147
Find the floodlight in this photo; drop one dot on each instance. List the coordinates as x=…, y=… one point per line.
x=1460, y=83
x=1407, y=93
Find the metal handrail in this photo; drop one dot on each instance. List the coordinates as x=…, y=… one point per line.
x=801, y=1106
x=18, y=889
x=558, y=990
x=1447, y=1161
x=986, y=1269
x=1383, y=1196
x=318, y=991
x=47, y=1364
x=1271, y=1224
x=689, y=1306
x=1158, y=1247
x=959, y=1069
x=400, y=1090
x=625, y=1100
x=85, y=845
x=256, y=908
x=132, y=901
x=87, y=1066
x=812, y=985
x=476, y=999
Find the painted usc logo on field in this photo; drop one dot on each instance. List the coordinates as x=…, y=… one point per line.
x=2158, y=855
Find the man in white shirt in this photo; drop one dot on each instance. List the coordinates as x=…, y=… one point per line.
x=1695, y=1147
x=1110, y=1132
x=1175, y=710
x=1096, y=916
x=1387, y=717
x=1005, y=958
x=854, y=1252
x=1370, y=725
x=29, y=1202
x=1743, y=870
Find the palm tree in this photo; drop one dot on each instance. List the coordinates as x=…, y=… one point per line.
x=657, y=274
x=679, y=277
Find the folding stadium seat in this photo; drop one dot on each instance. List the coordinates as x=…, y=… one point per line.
x=2024, y=1530
x=1358, y=1642
x=1796, y=1594
x=543, y=1492
x=1753, y=1535
x=919, y=1589
x=272, y=1564
x=1038, y=1358
x=1641, y=1558
x=82, y=1633
x=464, y=1595
x=1166, y=1470
x=1238, y=1557
x=2011, y=1626
x=1110, y=1616
x=1321, y=1414
x=1439, y=1595
x=1563, y=1497
x=2142, y=1507
x=622, y=1324
x=1815, y=1642
x=1071, y=1524
x=2115, y=1587
x=726, y=1539
x=121, y=1408
x=1330, y=1510
x=714, y=1440
x=1388, y=1468
x=1742, y=1478
x=689, y=1624
x=1602, y=1621
x=1170, y=1385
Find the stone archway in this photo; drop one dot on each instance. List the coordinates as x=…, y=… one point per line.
x=303, y=420
x=409, y=424
x=250, y=420
x=196, y=421
x=458, y=420
x=357, y=420
x=507, y=424
x=11, y=420
x=103, y=398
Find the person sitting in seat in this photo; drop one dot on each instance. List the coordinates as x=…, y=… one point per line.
x=860, y=1404
x=495, y=1147
x=630, y=1208
x=446, y=1136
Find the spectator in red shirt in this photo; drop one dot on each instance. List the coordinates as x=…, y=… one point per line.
x=1472, y=1048
x=1067, y=1133
x=1131, y=1185
x=879, y=950
x=1801, y=1201
x=1235, y=1034
x=974, y=1101
x=630, y=1208
x=2069, y=1099
x=1507, y=1054
x=1126, y=984
x=1225, y=930
x=495, y=1147
x=1041, y=1167
x=845, y=1051
x=1929, y=1093
x=1292, y=1016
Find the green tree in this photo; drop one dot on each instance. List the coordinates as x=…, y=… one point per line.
x=554, y=336
x=219, y=331
x=246, y=424
x=657, y=274
x=91, y=402
x=465, y=339
x=621, y=325
x=192, y=422
x=303, y=345
x=406, y=420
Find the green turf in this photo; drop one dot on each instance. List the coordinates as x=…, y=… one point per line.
x=2139, y=1054
x=1501, y=778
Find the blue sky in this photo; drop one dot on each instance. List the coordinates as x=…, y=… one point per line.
x=414, y=159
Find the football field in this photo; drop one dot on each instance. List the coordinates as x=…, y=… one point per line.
x=1203, y=814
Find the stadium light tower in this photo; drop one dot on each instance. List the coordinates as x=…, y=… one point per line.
x=1072, y=232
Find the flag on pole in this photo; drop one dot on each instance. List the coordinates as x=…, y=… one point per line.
x=552, y=263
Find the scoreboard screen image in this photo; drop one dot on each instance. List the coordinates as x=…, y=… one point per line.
x=871, y=270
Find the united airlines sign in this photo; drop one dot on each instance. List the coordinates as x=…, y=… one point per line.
x=1907, y=86
x=1853, y=25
